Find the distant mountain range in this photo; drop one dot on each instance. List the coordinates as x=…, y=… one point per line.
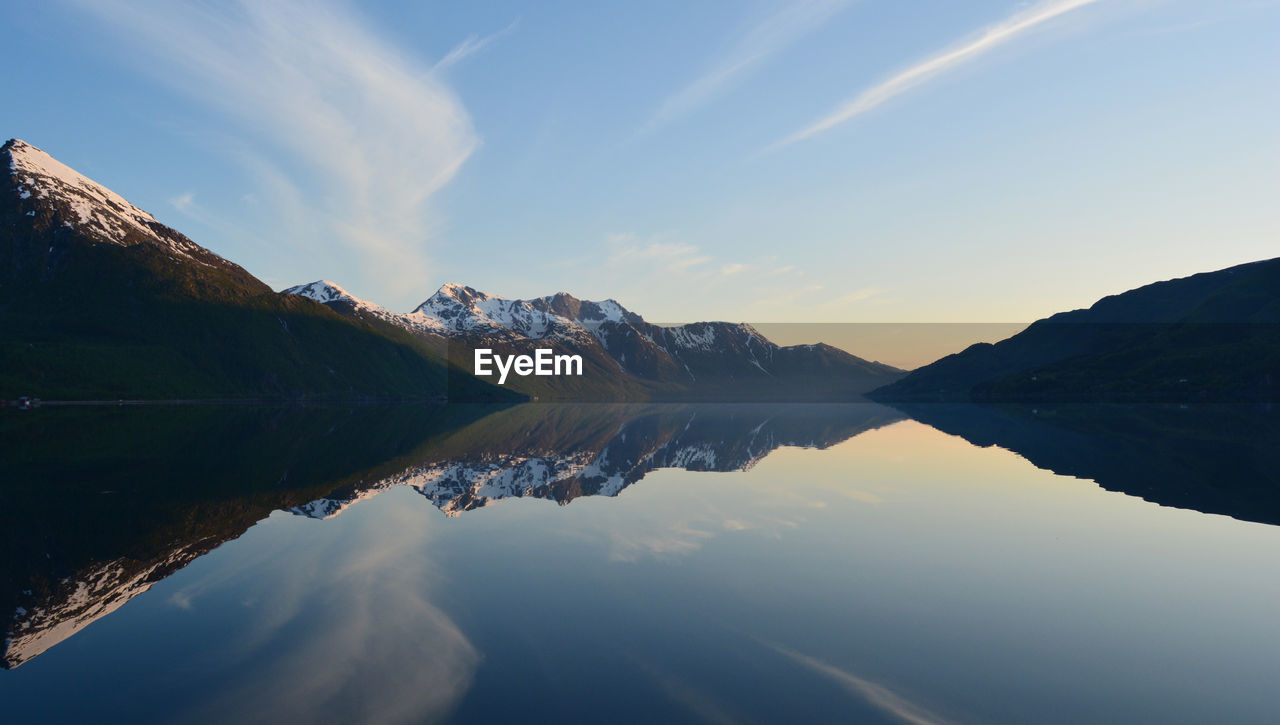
x=1211, y=336
x=98, y=300
x=625, y=357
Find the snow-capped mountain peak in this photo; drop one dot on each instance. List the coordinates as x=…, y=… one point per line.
x=80, y=203
x=460, y=293
x=459, y=308
x=330, y=293
x=324, y=292
x=40, y=174
x=584, y=312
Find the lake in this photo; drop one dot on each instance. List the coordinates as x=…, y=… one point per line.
x=642, y=563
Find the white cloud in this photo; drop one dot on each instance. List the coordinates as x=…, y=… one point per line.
x=635, y=266
x=784, y=270
x=786, y=296
x=470, y=45
x=671, y=257
x=760, y=42
x=185, y=202
x=871, y=693
x=861, y=295
x=808, y=299
x=929, y=68
x=368, y=134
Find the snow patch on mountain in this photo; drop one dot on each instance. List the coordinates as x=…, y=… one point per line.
x=76, y=202
x=327, y=293
x=97, y=211
x=324, y=291
x=687, y=353
x=462, y=309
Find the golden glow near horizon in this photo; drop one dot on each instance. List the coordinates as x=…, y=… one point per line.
x=904, y=345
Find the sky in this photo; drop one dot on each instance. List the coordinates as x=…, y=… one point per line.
x=805, y=161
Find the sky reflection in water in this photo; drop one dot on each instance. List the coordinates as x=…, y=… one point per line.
x=903, y=575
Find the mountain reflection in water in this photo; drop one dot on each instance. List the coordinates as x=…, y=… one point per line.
x=1217, y=459
x=98, y=505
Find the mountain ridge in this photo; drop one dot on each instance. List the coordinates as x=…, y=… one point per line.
x=98, y=300
x=642, y=360
x=1212, y=335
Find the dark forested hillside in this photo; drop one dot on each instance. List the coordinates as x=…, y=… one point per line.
x=99, y=300
x=1212, y=336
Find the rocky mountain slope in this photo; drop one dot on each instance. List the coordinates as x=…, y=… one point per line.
x=625, y=357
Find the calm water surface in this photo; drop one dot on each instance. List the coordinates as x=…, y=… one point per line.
x=641, y=564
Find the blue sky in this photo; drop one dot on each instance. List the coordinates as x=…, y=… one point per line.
x=819, y=160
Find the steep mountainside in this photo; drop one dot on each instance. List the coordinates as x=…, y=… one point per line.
x=1210, y=336
x=625, y=357
x=99, y=300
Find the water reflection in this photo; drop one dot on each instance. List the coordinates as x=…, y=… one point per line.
x=100, y=504
x=1220, y=459
x=563, y=452
x=344, y=624
x=820, y=578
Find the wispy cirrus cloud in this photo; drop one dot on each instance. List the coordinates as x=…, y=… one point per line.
x=984, y=41
x=633, y=266
x=756, y=45
x=469, y=46
x=854, y=297
x=185, y=202
x=354, y=134
x=878, y=696
x=654, y=253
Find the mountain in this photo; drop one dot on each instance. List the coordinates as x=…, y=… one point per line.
x=1211, y=336
x=99, y=300
x=624, y=357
